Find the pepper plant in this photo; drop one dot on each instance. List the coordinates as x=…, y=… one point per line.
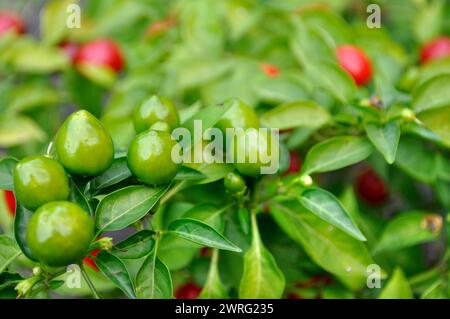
x=95, y=206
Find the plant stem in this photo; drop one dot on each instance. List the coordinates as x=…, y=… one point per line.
x=89, y=282
x=172, y=192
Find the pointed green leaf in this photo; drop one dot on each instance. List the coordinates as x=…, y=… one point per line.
x=116, y=271
x=326, y=206
x=153, y=280
x=434, y=93
x=126, y=206
x=397, y=287
x=385, y=138
x=136, y=246
x=296, y=114
x=414, y=157
x=8, y=251
x=7, y=165
x=329, y=247
x=409, y=229
x=438, y=121
x=201, y=233
x=116, y=173
x=336, y=153
x=213, y=288
x=262, y=279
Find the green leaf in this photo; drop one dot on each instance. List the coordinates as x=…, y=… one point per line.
x=428, y=21
x=77, y=197
x=433, y=94
x=326, y=206
x=200, y=233
x=19, y=129
x=432, y=69
x=209, y=214
x=153, y=280
x=244, y=219
x=101, y=75
x=385, y=138
x=126, y=206
x=409, y=229
x=29, y=96
x=21, y=219
x=336, y=153
x=438, y=120
x=32, y=57
x=329, y=247
x=309, y=45
x=118, y=172
x=261, y=279
x=195, y=72
x=397, y=287
x=116, y=271
x=9, y=280
x=212, y=172
x=208, y=117
x=334, y=79
x=136, y=246
x=8, y=251
x=7, y=165
x=54, y=20
x=176, y=252
x=213, y=288
x=437, y=290
x=189, y=173
x=296, y=114
x=285, y=88
x=416, y=159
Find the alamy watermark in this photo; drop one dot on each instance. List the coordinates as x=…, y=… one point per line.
x=73, y=20
x=237, y=145
x=373, y=21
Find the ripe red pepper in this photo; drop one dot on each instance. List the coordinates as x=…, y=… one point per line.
x=353, y=60
x=371, y=188
x=270, y=70
x=101, y=52
x=295, y=163
x=188, y=291
x=89, y=261
x=293, y=295
x=11, y=21
x=435, y=49
x=10, y=201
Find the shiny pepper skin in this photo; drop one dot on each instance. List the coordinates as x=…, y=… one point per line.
x=39, y=180
x=353, y=60
x=60, y=233
x=83, y=146
x=149, y=158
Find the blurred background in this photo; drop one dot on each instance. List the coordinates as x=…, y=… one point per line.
x=191, y=51
x=201, y=52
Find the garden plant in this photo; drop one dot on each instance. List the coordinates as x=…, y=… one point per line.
x=348, y=101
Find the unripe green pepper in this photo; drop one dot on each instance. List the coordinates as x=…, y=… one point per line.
x=59, y=234
x=39, y=180
x=83, y=146
x=155, y=109
x=149, y=158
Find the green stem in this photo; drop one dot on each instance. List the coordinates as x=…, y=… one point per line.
x=89, y=282
x=167, y=196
